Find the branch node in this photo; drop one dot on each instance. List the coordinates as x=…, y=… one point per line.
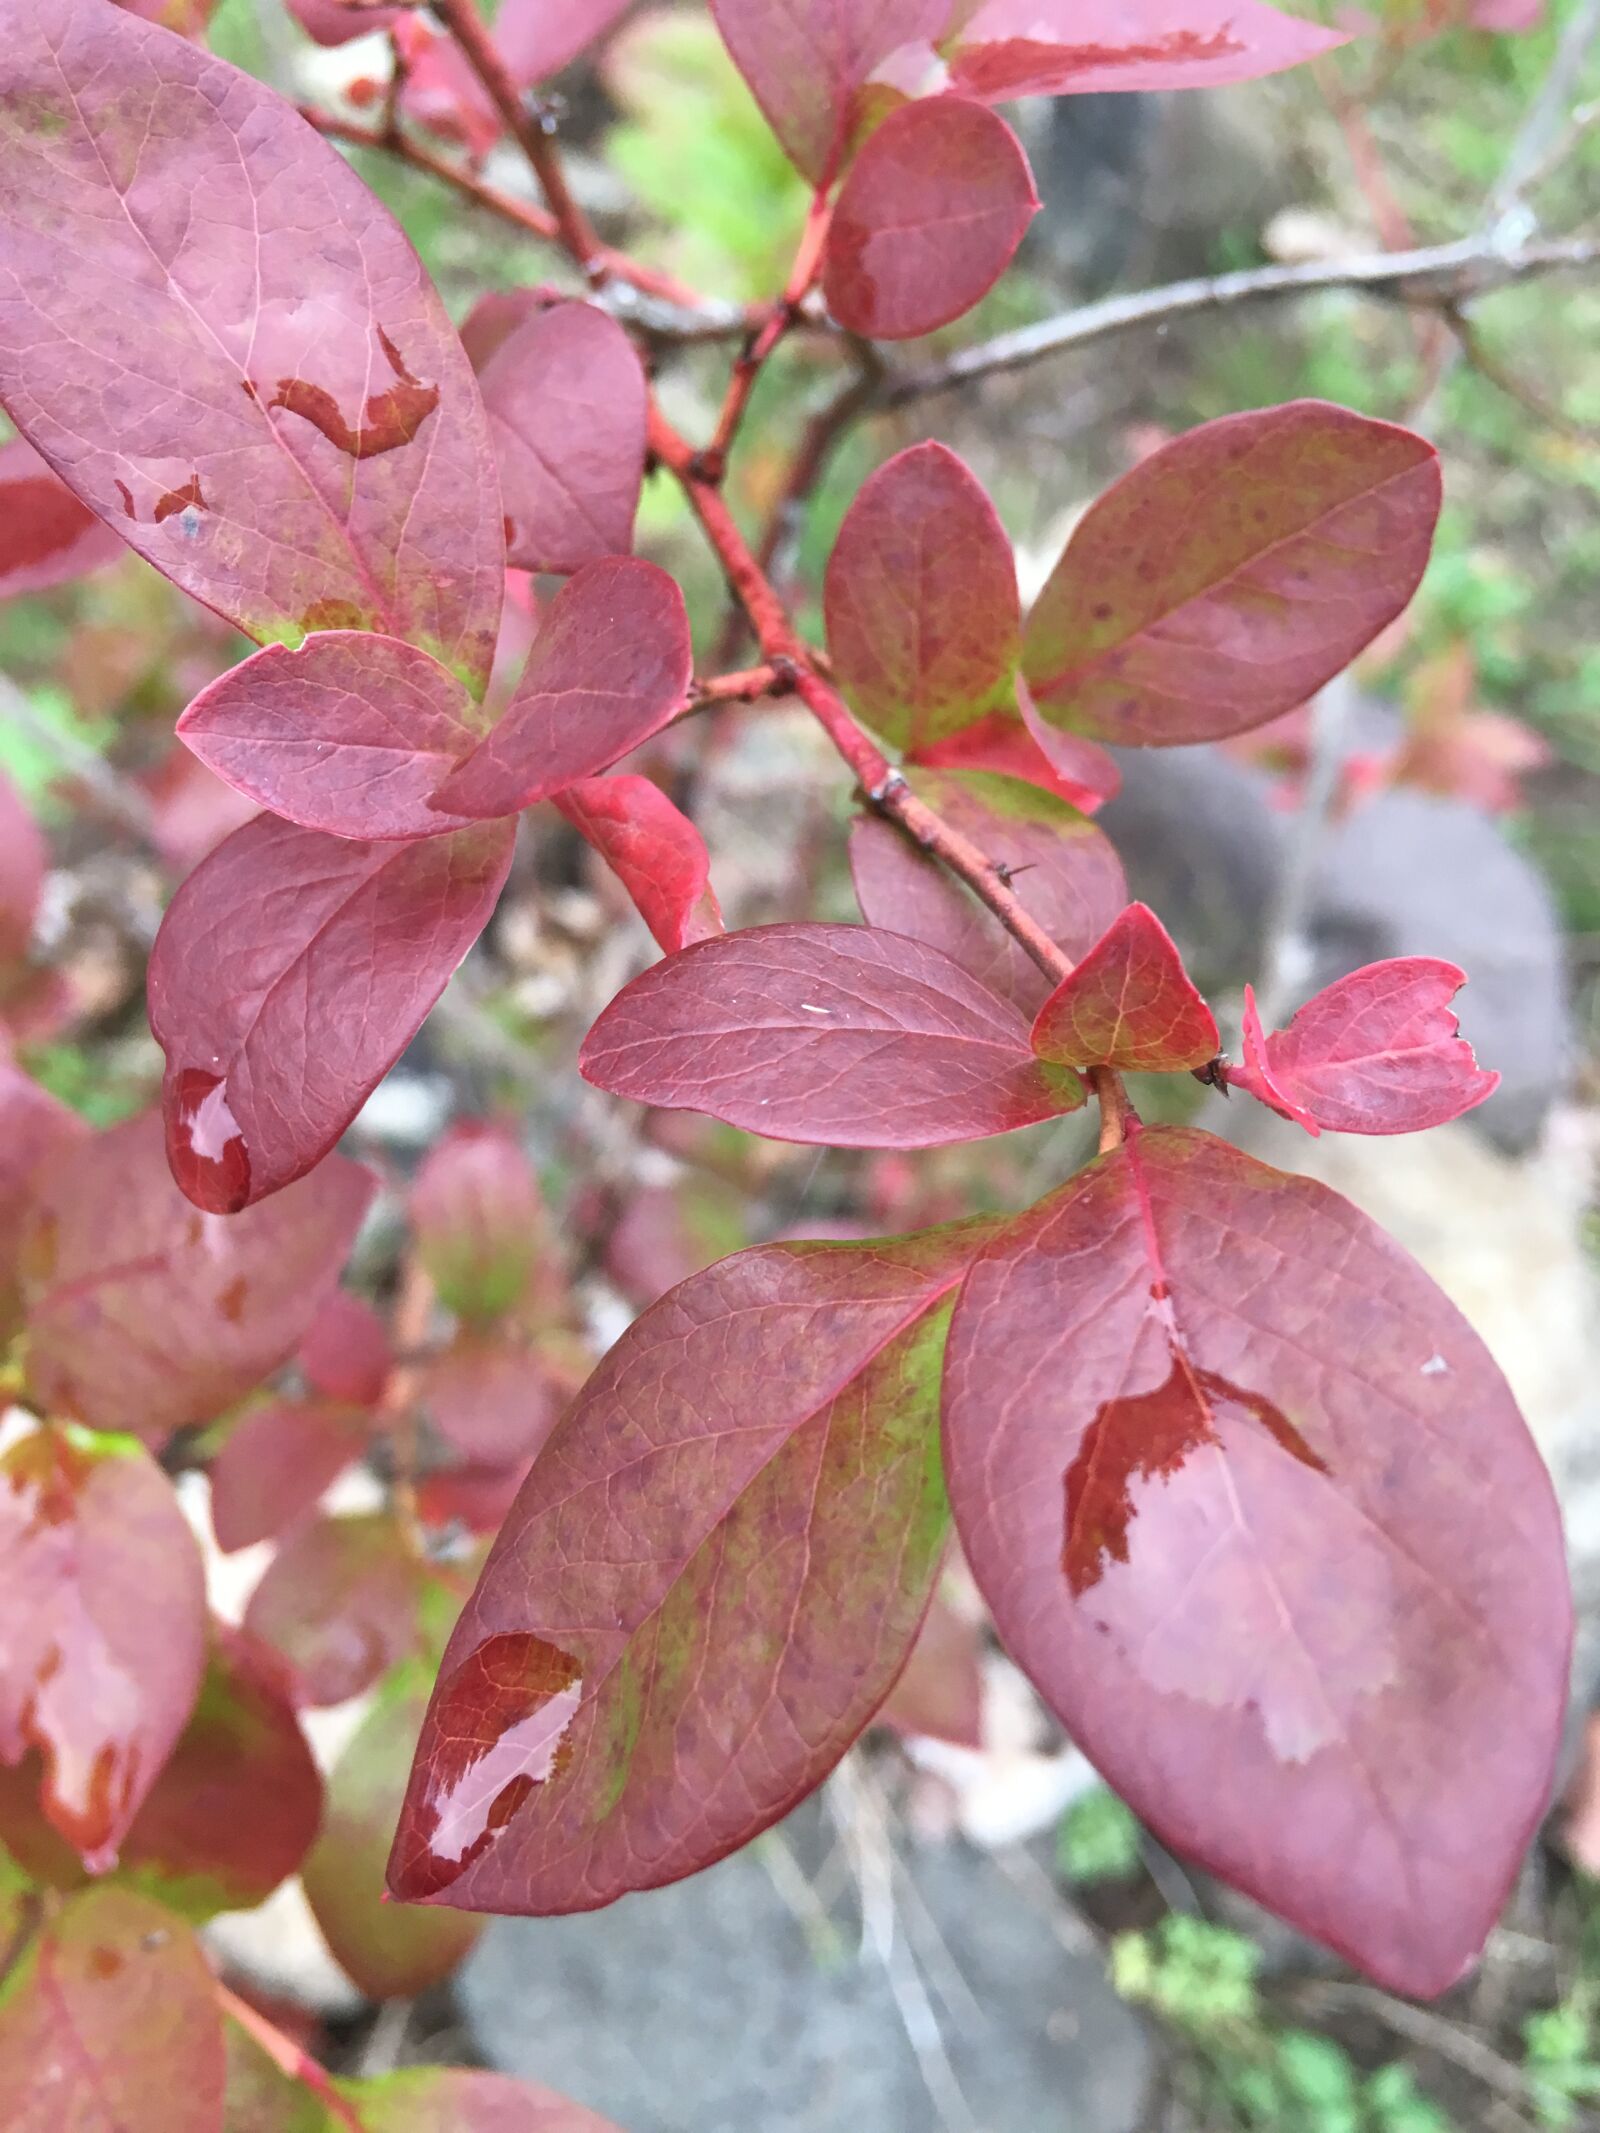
x=886, y=787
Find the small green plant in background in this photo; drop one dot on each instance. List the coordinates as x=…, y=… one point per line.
x=1098, y=1840
x=1559, y=2055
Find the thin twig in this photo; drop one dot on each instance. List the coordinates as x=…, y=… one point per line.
x=753, y=358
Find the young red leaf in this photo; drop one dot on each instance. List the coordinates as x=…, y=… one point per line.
x=1256, y=1512
x=940, y=1694
x=566, y=396
x=340, y=1603
x=24, y=862
x=35, y=1133
x=1231, y=574
x=838, y=1035
x=477, y=1217
x=610, y=666
x=1378, y=1051
x=1063, y=872
x=350, y=733
x=921, y=601
x=453, y=2099
x=391, y=1951
x=1010, y=48
x=654, y=850
x=1074, y=769
x=110, y=2024
x=300, y=442
x=290, y=972
x=46, y=536
x=145, y=1315
x=346, y=1354
x=708, y=1583
x=103, y=1596
x=490, y=1397
x=1130, y=1003
x=278, y=1463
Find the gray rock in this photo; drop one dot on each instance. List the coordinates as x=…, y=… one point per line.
x=727, y=2004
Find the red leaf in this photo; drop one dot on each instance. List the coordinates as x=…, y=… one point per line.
x=708, y=1583
x=338, y=21
x=103, y=1596
x=609, y=667
x=1375, y=1052
x=1257, y=1514
x=1130, y=1003
x=1231, y=574
x=391, y=1951
x=299, y=442
x=1011, y=48
x=477, y=1217
x=1064, y=873
x=928, y=219
x=940, y=1694
x=35, y=1133
x=290, y=972
x=340, y=1603
x=451, y=2099
x=346, y=1354
x=489, y=1397
x=350, y=733
x=839, y=1035
x=807, y=65
x=540, y=37
x=46, y=536
x=921, y=601
x=24, y=862
x=110, y=2024
x=278, y=1463
x=536, y=38
x=665, y=1233
x=145, y=1315
x=654, y=850
x=1075, y=770
x=477, y=1497
x=566, y=397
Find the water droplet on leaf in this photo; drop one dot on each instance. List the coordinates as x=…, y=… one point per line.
x=204, y=1144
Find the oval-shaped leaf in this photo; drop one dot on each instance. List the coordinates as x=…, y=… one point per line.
x=337, y=21
x=478, y=1219
x=707, y=1585
x=1130, y=1003
x=144, y=1314
x=1076, y=770
x=340, y=1603
x=927, y=220
x=277, y=1464
x=453, y=2099
x=1256, y=1512
x=654, y=850
x=46, y=536
x=921, y=601
x=1009, y=48
x=290, y=972
x=834, y=1034
x=489, y=1396
x=567, y=397
x=346, y=1355
x=35, y=1132
x=289, y=429
x=1231, y=574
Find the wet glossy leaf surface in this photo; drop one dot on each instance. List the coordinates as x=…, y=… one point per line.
x=145, y=1314
x=927, y=220
x=566, y=398
x=921, y=601
x=290, y=972
x=109, y=2025
x=841, y=1035
x=341, y=1602
x=708, y=1583
x=1378, y=1051
x=1010, y=48
x=276, y=1465
x=654, y=850
x=290, y=430
x=1130, y=1004
x=103, y=1597
x=1247, y=1496
x=46, y=536
x=1231, y=574
x=477, y=1218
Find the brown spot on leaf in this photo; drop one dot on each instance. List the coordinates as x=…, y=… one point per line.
x=177, y=500
x=388, y=420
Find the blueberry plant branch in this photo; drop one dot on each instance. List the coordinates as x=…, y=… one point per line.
x=763, y=341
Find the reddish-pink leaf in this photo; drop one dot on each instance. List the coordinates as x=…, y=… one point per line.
x=1256, y=1512
x=1378, y=1051
x=144, y=1314
x=609, y=667
x=476, y=1497
x=289, y=429
x=808, y=64
x=350, y=732
x=1130, y=1003
x=24, y=861
x=46, y=536
x=110, y=2024
x=928, y=219
x=290, y=972
x=535, y=38
x=940, y=1694
x=346, y=1354
x=277, y=1464
x=192, y=810
x=490, y=1396
x=391, y=1950
x=921, y=600
x=654, y=850
x=452, y=2099
x=840, y=1035
x=478, y=1220
x=706, y=1587
x=1063, y=872
x=566, y=397
x=103, y=1596
x=665, y=1233
x=341, y=1603
x=1231, y=574
x=337, y=21
x=495, y=317
x=540, y=37
x=1009, y=48
x=1074, y=769
x=35, y=1133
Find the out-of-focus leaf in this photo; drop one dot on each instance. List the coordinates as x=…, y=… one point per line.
x=1009, y=48
x=489, y=1396
x=46, y=536
x=277, y=1464
x=654, y=850
x=940, y=1694
x=477, y=1218
x=346, y=1354
x=342, y=1601
x=1130, y=1003
x=36, y=1132
x=453, y=2099
x=24, y=861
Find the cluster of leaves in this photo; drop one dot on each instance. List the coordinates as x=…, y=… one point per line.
x=1247, y=1499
